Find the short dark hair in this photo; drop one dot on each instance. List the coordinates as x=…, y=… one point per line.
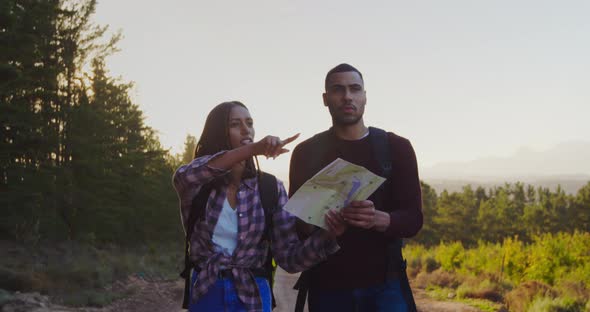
x=342, y=68
x=215, y=135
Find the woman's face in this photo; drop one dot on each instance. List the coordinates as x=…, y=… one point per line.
x=241, y=127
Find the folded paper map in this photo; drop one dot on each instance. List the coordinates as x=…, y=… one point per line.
x=333, y=187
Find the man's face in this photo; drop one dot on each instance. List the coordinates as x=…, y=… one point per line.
x=345, y=96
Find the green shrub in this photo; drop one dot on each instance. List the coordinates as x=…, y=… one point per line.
x=552, y=266
x=450, y=256
x=547, y=304
x=429, y=264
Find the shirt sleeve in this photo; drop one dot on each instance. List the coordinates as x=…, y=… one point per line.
x=290, y=253
x=295, y=174
x=406, y=219
x=191, y=177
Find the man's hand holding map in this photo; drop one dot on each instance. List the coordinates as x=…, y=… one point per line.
x=333, y=187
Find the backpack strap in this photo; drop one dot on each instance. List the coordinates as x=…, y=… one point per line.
x=198, y=211
x=381, y=150
x=269, y=197
x=395, y=262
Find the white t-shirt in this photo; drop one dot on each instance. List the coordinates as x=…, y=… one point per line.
x=225, y=235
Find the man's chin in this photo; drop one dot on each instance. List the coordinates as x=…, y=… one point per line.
x=346, y=120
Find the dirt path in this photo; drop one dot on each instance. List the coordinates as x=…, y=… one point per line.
x=427, y=304
x=166, y=296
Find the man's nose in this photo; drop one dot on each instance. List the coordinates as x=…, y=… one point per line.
x=347, y=94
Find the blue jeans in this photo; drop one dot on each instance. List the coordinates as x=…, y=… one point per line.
x=386, y=297
x=222, y=296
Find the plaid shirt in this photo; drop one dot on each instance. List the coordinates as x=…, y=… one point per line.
x=290, y=254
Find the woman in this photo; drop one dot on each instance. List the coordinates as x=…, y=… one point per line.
x=226, y=247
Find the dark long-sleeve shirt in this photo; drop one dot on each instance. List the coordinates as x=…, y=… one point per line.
x=361, y=260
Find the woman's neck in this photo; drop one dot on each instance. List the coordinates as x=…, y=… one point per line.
x=237, y=171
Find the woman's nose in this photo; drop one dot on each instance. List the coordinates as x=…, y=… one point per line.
x=245, y=129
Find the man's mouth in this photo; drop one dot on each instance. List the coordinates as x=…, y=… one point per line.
x=348, y=109
x=246, y=141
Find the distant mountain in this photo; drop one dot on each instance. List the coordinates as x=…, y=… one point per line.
x=571, y=159
x=566, y=164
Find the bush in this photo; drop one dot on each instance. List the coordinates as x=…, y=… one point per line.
x=437, y=278
x=547, y=304
x=429, y=264
x=480, y=289
x=450, y=256
x=552, y=266
x=520, y=298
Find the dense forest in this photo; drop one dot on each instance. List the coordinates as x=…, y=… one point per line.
x=77, y=160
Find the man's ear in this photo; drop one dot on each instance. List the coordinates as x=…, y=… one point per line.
x=324, y=98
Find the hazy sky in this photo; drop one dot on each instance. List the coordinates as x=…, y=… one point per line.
x=460, y=79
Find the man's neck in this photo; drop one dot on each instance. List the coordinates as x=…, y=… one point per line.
x=351, y=132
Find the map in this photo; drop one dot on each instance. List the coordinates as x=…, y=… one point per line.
x=333, y=187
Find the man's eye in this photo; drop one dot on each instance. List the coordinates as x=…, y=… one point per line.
x=234, y=124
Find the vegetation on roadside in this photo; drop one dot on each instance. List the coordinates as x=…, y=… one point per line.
x=552, y=273
x=82, y=275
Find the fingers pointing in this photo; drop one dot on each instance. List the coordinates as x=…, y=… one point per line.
x=289, y=140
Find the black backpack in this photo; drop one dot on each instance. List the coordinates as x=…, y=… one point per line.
x=321, y=142
x=269, y=197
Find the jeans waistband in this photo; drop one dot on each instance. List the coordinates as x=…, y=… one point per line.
x=226, y=273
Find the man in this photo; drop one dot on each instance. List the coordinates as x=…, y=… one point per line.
x=368, y=273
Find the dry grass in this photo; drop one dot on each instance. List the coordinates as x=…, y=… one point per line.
x=437, y=278
x=520, y=298
x=483, y=287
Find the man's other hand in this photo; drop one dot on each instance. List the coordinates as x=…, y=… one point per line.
x=362, y=213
